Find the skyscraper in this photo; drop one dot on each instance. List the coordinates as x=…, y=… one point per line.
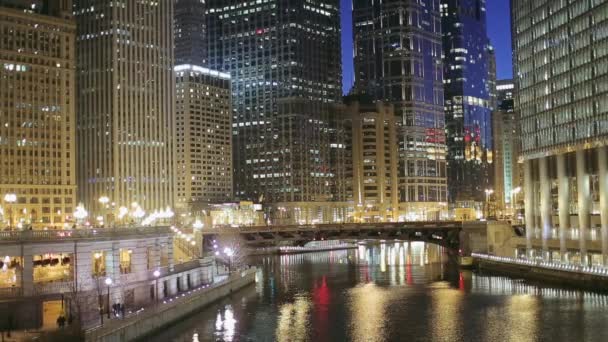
x=507, y=169
x=561, y=60
x=203, y=115
x=398, y=60
x=125, y=103
x=191, y=45
x=37, y=114
x=469, y=73
x=375, y=161
x=284, y=59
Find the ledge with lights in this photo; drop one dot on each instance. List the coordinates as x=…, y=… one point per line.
x=598, y=271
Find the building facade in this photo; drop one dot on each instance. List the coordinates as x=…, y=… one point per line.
x=561, y=58
x=57, y=273
x=397, y=58
x=469, y=83
x=190, y=30
x=284, y=59
x=37, y=115
x=203, y=115
x=508, y=176
x=375, y=162
x=125, y=104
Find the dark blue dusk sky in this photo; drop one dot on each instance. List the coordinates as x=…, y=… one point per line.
x=499, y=30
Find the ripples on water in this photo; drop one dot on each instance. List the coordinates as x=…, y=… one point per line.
x=392, y=292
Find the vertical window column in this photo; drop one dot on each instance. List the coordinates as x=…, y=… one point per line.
x=529, y=206
x=584, y=201
x=545, y=205
x=563, y=191
x=602, y=157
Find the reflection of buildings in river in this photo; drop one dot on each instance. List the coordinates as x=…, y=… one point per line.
x=403, y=262
x=293, y=318
x=368, y=304
x=504, y=286
x=225, y=324
x=446, y=306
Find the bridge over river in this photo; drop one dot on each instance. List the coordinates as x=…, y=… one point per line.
x=450, y=234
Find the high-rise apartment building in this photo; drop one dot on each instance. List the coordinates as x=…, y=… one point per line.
x=190, y=29
x=561, y=59
x=469, y=79
x=125, y=103
x=375, y=161
x=507, y=169
x=203, y=147
x=284, y=59
x=398, y=51
x=37, y=114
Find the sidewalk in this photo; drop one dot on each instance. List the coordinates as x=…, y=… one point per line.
x=22, y=335
x=26, y=335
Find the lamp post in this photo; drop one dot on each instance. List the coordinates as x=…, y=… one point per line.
x=108, y=282
x=156, y=275
x=104, y=200
x=229, y=252
x=80, y=213
x=514, y=193
x=138, y=213
x=10, y=199
x=488, y=193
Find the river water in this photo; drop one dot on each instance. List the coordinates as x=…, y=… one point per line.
x=392, y=292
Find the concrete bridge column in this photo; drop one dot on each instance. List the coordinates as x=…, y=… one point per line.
x=529, y=206
x=27, y=273
x=584, y=203
x=602, y=157
x=545, y=205
x=563, y=191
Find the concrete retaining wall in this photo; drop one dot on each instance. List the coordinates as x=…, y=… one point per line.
x=148, y=322
x=569, y=279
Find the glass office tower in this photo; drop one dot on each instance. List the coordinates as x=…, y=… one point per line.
x=561, y=64
x=469, y=83
x=397, y=48
x=284, y=60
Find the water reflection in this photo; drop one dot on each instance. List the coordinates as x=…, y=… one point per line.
x=405, y=291
x=368, y=305
x=225, y=324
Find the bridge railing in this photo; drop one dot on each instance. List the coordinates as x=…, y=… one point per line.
x=76, y=234
x=345, y=226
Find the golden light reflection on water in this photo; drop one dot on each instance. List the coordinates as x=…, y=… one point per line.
x=381, y=293
x=368, y=304
x=225, y=324
x=446, y=305
x=522, y=313
x=293, y=320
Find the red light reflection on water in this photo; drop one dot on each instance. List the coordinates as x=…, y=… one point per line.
x=321, y=299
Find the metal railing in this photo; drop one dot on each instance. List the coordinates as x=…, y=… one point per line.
x=80, y=234
x=339, y=226
x=557, y=266
x=8, y=292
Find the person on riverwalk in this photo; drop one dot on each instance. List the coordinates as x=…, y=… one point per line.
x=61, y=322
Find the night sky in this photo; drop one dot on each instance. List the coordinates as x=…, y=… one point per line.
x=499, y=30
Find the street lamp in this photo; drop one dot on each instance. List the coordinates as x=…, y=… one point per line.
x=80, y=213
x=229, y=252
x=514, y=193
x=488, y=193
x=138, y=213
x=10, y=198
x=104, y=200
x=108, y=282
x=197, y=224
x=156, y=275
